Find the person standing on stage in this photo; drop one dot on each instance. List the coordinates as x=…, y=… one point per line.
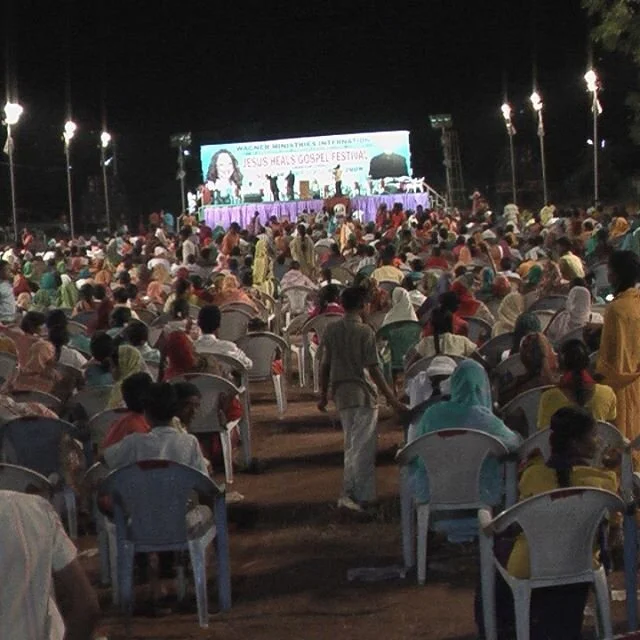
x=291, y=178
x=273, y=185
x=337, y=176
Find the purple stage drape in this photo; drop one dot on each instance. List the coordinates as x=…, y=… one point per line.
x=243, y=214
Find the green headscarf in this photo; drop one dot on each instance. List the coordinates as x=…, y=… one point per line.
x=48, y=281
x=535, y=275
x=27, y=269
x=41, y=301
x=67, y=295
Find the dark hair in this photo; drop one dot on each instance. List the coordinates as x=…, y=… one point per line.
x=185, y=390
x=209, y=318
x=160, y=402
x=137, y=333
x=574, y=358
x=449, y=301
x=32, y=321
x=182, y=286
x=101, y=348
x=212, y=171
x=58, y=337
x=99, y=292
x=180, y=309
x=436, y=252
x=86, y=292
x=408, y=283
x=568, y=425
x=328, y=294
x=442, y=322
x=506, y=264
x=525, y=324
x=120, y=296
x=564, y=243
x=353, y=299
x=56, y=318
x=295, y=265
x=626, y=269
x=135, y=389
x=124, y=278
x=120, y=316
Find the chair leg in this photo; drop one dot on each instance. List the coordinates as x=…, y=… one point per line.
x=197, y=553
x=227, y=455
x=488, y=587
x=222, y=554
x=70, y=503
x=103, y=550
x=630, y=564
x=422, y=534
x=601, y=589
x=126, y=552
x=407, y=519
x=245, y=428
x=522, y=607
x=110, y=529
x=281, y=398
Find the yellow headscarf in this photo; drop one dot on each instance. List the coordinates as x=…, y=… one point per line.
x=129, y=362
x=619, y=227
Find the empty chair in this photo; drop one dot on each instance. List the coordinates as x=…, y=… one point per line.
x=560, y=527
x=90, y=483
x=241, y=306
x=453, y=459
x=493, y=349
x=549, y=303
x=296, y=300
x=234, y=324
x=92, y=400
x=8, y=366
x=207, y=419
x=576, y=334
x=161, y=320
x=194, y=310
x=152, y=512
x=262, y=347
x=16, y=478
x=401, y=337
x=479, y=330
x=522, y=412
x=35, y=443
x=293, y=336
x=317, y=325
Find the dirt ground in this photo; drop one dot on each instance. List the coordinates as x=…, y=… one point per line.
x=291, y=550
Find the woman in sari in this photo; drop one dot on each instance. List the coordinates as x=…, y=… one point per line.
x=41, y=301
x=401, y=308
x=156, y=296
x=86, y=303
x=49, y=281
x=40, y=372
x=20, y=285
x=470, y=407
x=128, y=361
x=230, y=292
x=181, y=357
x=619, y=226
x=525, y=324
x=470, y=307
x=619, y=354
x=576, y=314
x=23, y=302
x=67, y=294
x=509, y=311
x=103, y=274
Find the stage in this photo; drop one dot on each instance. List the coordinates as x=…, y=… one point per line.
x=243, y=214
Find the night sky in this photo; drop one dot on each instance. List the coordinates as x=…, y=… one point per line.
x=230, y=72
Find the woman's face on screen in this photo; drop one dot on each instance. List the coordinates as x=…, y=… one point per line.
x=224, y=165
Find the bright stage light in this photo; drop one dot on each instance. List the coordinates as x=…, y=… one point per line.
x=536, y=101
x=12, y=113
x=186, y=152
x=70, y=128
x=105, y=139
x=592, y=80
x=506, y=111
x=590, y=142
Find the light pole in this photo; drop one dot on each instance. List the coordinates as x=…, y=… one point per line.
x=511, y=131
x=593, y=85
x=536, y=103
x=181, y=177
x=69, y=131
x=12, y=113
x=105, y=139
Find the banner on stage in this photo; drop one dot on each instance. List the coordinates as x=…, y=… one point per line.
x=273, y=169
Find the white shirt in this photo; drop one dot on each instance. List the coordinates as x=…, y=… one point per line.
x=34, y=546
x=188, y=249
x=162, y=443
x=208, y=343
x=72, y=358
x=7, y=301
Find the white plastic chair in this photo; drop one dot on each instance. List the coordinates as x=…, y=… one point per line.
x=423, y=364
x=93, y=400
x=576, y=334
x=453, y=459
x=545, y=316
x=151, y=502
x=493, y=349
x=549, y=303
x=601, y=273
x=13, y=477
x=99, y=424
x=296, y=301
x=560, y=527
x=8, y=366
x=76, y=329
x=479, y=329
x=207, y=419
x=240, y=306
x=318, y=325
x=261, y=347
x=294, y=330
x=234, y=324
x=529, y=402
x=90, y=483
x=48, y=400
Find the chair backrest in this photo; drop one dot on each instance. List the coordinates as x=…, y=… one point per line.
x=545, y=316
x=48, y=400
x=553, y=303
x=297, y=298
x=560, y=527
x=388, y=286
x=100, y=423
x=376, y=319
x=151, y=499
x=508, y=370
x=320, y=323
x=93, y=400
x=453, y=459
x=8, y=366
x=16, y=478
x=161, y=320
x=147, y=316
x=576, y=334
x=423, y=364
x=154, y=369
x=294, y=328
x=261, y=348
x=84, y=318
x=593, y=361
x=527, y=402
x=207, y=418
x=493, y=349
x=234, y=324
x=76, y=329
x=479, y=330
x=402, y=337
x=34, y=443
x=342, y=275
x=601, y=273
x=367, y=270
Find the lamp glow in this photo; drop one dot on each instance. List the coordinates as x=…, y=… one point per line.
x=12, y=113
x=506, y=111
x=536, y=101
x=70, y=128
x=105, y=139
x=592, y=80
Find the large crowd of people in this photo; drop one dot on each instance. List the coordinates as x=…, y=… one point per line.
x=139, y=312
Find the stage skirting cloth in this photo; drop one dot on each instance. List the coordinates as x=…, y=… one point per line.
x=243, y=214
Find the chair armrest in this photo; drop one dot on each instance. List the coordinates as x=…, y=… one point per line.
x=485, y=520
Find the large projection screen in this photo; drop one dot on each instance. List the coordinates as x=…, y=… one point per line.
x=237, y=172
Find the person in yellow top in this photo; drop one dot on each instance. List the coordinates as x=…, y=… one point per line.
x=577, y=387
x=386, y=272
x=619, y=354
x=557, y=612
x=571, y=266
